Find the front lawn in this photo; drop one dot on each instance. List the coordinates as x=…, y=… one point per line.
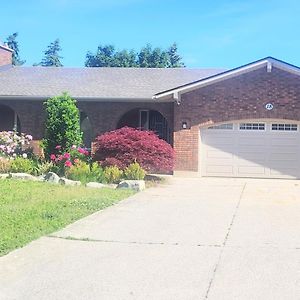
x=29, y=210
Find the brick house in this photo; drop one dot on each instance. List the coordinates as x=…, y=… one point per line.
x=243, y=122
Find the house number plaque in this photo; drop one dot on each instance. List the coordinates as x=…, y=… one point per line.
x=269, y=106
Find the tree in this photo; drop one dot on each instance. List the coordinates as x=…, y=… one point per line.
x=52, y=57
x=126, y=145
x=147, y=57
x=125, y=59
x=107, y=56
x=103, y=58
x=62, y=125
x=152, y=58
x=14, y=45
x=175, y=60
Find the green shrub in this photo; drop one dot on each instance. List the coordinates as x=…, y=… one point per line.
x=42, y=167
x=62, y=125
x=134, y=172
x=112, y=174
x=22, y=165
x=80, y=171
x=4, y=165
x=84, y=172
x=97, y=173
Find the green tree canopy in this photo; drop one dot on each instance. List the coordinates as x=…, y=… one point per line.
x=13, y=44
x=147, y=57
x=52, y=57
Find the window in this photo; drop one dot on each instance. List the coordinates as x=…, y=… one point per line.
x=252, y=126
x=284, y=127
x=228, y=126
x=86, y=128
x=144, y=119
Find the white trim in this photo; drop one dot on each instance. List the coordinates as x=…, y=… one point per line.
x=6, y=48
x=268, y=63
x=269, y=66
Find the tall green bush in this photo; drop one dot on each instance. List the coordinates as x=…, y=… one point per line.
x=62, y=124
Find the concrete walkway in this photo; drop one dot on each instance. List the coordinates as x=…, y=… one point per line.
x=190, y=239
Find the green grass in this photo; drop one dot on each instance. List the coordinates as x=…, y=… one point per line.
x=29, y=210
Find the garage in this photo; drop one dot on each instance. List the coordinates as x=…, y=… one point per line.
x=259, y=148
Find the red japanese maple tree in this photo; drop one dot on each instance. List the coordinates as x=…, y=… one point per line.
x=124, y=146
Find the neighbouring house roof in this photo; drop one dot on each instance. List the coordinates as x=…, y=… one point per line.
x=95, y=83
x=267, y=62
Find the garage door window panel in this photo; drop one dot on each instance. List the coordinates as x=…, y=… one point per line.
x=228, y=126
x=284, y=127
x=252, y=126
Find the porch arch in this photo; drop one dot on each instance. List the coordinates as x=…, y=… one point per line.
x=147, y=119
x=9, y=120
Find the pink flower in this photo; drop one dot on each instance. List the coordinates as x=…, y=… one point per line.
x=29, y=137
x=58, y=147
x=60, y=157
x=52, y=157
x=67, y=155
x=73, y=147
x=76, y=161
x=68, y=163
x=86, y=153
x=81, y=150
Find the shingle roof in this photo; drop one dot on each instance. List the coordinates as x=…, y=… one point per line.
x=130, y=83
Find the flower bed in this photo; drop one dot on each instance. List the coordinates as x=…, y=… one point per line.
x=16, y=156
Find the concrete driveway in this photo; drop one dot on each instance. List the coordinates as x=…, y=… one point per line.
x=190, y=239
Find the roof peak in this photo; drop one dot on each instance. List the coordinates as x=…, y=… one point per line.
x=269, y=61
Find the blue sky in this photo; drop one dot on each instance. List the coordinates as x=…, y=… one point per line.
x=209, y=33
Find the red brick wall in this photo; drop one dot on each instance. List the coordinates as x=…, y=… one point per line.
x=104, y=116
x=5, y=57
x=242, y=97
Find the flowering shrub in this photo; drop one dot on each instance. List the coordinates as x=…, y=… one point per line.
x=125, y=146
x=13, y=144
x=63, y=160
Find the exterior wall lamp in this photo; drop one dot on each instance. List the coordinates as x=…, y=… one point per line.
x=184, y=125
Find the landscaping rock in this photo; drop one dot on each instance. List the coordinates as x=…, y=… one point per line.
x=95, y=185
x=137, y=185
x=66, y=181
x=40, y=178
x=52, y=177
x=4, y=176
x=22, y=176
x=111, y=186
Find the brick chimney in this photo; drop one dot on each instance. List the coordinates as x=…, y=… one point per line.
x=5, y=55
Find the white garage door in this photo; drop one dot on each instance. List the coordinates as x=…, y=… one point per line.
x=251, y=149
